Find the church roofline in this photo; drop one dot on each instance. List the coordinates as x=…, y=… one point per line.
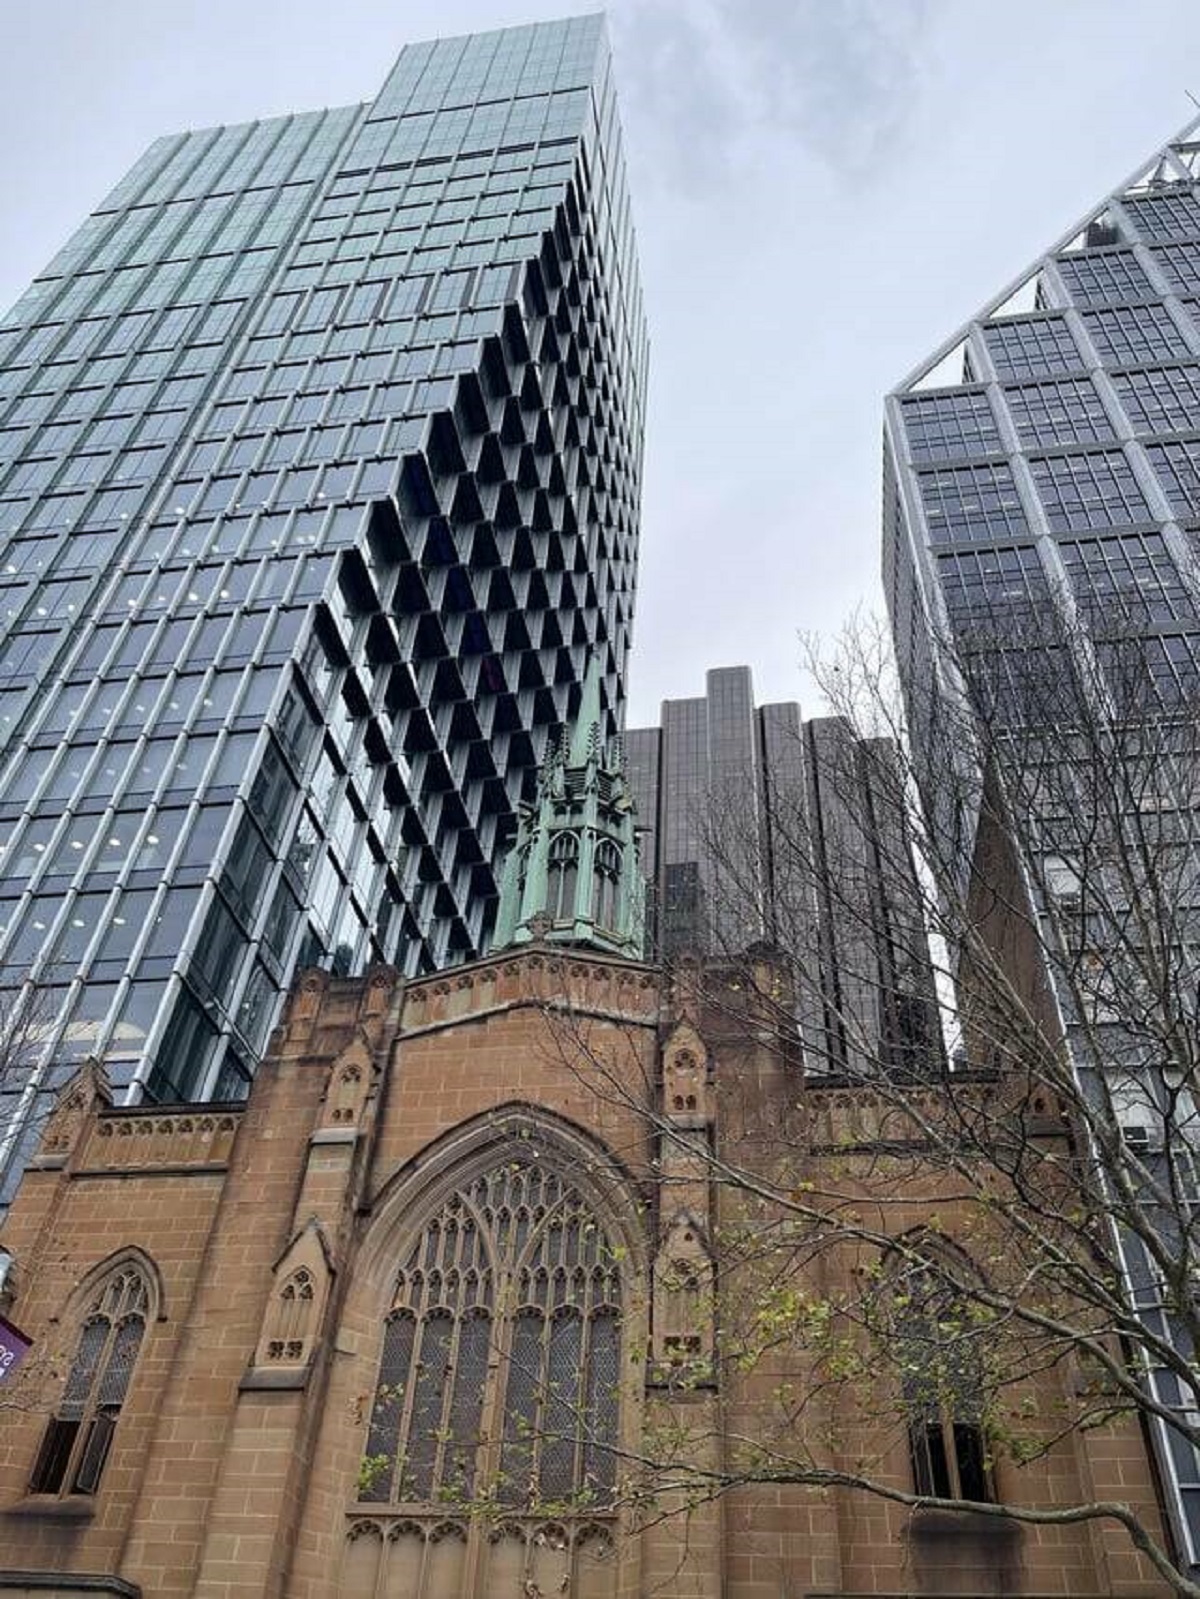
x=540, y=950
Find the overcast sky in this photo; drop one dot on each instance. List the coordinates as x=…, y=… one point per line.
x=823, y=191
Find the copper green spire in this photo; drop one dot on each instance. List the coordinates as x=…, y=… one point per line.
x=588, y=725
x=573, y=876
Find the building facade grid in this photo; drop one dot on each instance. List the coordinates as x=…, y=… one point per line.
x=1113, y=356
x=320, y=449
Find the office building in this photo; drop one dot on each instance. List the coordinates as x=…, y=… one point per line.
x=1041, y=513
x=320, y=448
x=1042, y=458
x=706, y=753
x=757, y=826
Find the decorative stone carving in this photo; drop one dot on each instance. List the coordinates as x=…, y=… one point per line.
x=293, y=1321
x=82, y=1094
x=682, y=1308
x=295, y=1310
x=685, y=1076
x=349, y=1085
x=167, y=1138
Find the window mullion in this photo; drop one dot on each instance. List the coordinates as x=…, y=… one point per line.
x=423, y=1444
x=491, y=1414
x=950, y=1445
x=437, y=1478
x=404, y=1432
x=540, y=1404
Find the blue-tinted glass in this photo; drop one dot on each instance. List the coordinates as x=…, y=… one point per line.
x=389, y=338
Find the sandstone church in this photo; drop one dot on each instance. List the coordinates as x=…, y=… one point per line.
x=439, y=1312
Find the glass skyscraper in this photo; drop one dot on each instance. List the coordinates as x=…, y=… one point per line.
x=1047, y=455
x=320, y=447
x=1042, y=494
x=709, y=752
x=759, y=826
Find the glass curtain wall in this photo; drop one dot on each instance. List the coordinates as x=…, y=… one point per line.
x=320, y=449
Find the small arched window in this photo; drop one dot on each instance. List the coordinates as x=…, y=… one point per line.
x=942, y=1366
x=293, y=1317
x=80, y=1433
x=562, y=876
x=607, y=876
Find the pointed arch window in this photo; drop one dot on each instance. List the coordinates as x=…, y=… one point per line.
x=505, y=1325
x=79, y=1435
x=293, y=1317
x=562, y=875
x=607, y=882
x=944, y=1388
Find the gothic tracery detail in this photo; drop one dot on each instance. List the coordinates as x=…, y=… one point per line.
x=79, y=1436
x=505, y=1324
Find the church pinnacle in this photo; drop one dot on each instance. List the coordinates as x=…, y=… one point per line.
x=573, y=875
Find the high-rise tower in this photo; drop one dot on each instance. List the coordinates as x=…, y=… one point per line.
x=1043, y=460
x=1041, y=526
x=320, y=449
x=708, y=753
x=758, y=826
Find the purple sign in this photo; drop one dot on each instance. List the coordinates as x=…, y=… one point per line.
x=14, y=1346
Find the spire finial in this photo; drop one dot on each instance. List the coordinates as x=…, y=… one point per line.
x=581, y=747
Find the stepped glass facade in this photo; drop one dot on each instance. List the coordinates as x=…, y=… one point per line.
x=1041, y=527
x=320, y=448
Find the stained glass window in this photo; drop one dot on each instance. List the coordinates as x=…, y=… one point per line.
x=80, y=1433
x=505, y=1324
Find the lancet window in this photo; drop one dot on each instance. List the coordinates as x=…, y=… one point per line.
x=607, y=874
x=944, y=1387
x=79, y=1435
x=562, y=875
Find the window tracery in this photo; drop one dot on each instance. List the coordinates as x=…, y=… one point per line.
x=293, y=1322
x=505, y=1324
x=79, y=1435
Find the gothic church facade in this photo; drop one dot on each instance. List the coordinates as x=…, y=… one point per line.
x=438, y=1313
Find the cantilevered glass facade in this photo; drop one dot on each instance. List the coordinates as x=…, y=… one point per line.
x=320, y=449
x=1042, y=518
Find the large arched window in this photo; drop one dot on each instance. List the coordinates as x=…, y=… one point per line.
x=606, y=873
x=561, y=877
x=942, y=1366
x=80, y=1433
x=500, y=1365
